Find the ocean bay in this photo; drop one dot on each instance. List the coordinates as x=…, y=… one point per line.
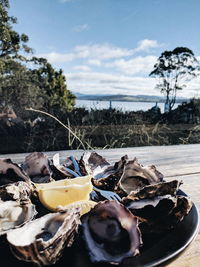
x=120, y=105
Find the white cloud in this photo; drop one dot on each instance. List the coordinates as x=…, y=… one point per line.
x=198, y=58
x=146, y=44
x=192, y=89
x=89, y=82
x=95, y=52
x=65, y=1
x=81, y=68
x=135, y=65
x=95, y=62
x=80, y=28
x=128, y=70
x=102, y=51
x=99, y=52
x=101, y=83
x=54, y=57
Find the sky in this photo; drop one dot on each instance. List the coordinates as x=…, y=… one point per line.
x=109, y=46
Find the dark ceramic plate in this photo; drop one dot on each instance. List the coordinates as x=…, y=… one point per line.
x=158, y=249
x=170, y=245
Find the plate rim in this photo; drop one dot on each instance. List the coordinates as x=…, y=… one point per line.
x=180, y=250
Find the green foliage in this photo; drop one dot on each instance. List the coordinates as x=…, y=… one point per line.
x=53, y=88
x=173, y=69
x=18, y=87
x=11, y=42
x=26, y=82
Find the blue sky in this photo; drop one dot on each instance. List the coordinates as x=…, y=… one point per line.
x=109, y=46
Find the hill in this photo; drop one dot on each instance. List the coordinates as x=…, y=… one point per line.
x=130, y=98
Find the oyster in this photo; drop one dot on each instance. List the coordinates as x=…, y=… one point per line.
x=150, y=191
x=58, y=173
x=137, y=176
x=11, y=173
x=161, y=213
x=182, y=208
x=13, y=215
x=20, y=191
x=106, y=176
x=93, y=161
x=152, y=209
x=42, y=240
x=111, y=232
x=69, y=169
x=158, y=205
x=37, y=167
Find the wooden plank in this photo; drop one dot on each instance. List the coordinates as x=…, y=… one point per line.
x=170, y=160
x=191, y=256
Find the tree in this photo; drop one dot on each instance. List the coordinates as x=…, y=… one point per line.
x=40, y=87
x=11, y=42
x=18, y=86
x=173, y=69
x=26, y=82
x=53, y=87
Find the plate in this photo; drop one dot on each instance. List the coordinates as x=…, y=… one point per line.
x=158, y=249
x=168, y=247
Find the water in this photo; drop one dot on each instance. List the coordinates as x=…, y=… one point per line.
x=124, y=106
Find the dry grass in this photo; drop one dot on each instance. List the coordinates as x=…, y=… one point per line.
x=50, y=133
x=193, y=135
x=111, y=136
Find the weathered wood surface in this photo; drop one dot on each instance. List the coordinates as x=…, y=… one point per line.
x=178, y=161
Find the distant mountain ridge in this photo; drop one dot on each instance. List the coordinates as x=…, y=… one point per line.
x=130, y=98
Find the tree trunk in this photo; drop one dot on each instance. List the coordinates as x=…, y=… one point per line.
x=167, y=103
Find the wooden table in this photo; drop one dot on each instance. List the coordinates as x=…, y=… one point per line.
x=178, y=161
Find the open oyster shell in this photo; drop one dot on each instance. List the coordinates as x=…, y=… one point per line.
x=152, y=209
x=11, y=173
x=158, y=205
x=111, y=232
x=93, y=162
x=14, y=214
x=151, y=191
x=162, y=214
x=37, y=167
x=108, y=178
x=137, y=176
x=105, y=175
x=42, y=240
x=20, y=191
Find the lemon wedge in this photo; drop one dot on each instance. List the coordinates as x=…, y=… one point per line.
x=65, y=182
x=53, y=197
x=84, y=205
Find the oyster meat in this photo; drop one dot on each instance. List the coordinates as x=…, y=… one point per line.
x=42, y=240
x=14, y=214
x=111, y=232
